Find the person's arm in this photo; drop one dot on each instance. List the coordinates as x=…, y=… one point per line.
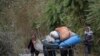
x=91, y=39
x=57, y=41
x=85, y=36
x=92, y=36
x=30, y=43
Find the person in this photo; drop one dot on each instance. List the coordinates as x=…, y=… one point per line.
x=31, y=46
x=49, y=44
x=88, y=34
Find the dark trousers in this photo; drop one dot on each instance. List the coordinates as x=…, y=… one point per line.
x=48, y=51
x=51, y=53
x=35, y=52
x=88, y=48
x=67, y=52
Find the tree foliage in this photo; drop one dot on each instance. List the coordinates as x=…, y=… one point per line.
x=56, y=13
x=75, y=14
x=72, y=13
x=93, y=18
x=16, y=18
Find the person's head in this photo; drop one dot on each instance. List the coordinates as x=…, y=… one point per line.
x=88, y=29
x=54, y=34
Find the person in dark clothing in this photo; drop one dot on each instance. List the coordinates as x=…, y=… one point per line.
x=88, y=39
x=48, y=46
x=31, y=47
x=68, y=51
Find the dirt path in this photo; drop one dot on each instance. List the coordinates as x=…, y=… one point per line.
x=41, y=54
x=78, y=51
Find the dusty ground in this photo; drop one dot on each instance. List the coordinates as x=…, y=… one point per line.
x=78, y=51
x=41, y=54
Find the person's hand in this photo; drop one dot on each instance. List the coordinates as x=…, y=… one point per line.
x=33, y=42
x=27, y=50
x=63, y=48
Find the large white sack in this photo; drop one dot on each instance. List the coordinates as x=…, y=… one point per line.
x=38, y=46
x=54, y=34
x=49, y=38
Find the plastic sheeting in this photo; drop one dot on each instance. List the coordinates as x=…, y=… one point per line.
x=73, y=40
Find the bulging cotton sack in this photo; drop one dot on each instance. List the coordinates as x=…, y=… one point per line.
x=38, y=46
x=50, y=39
x=64, y=32
x=54, y=34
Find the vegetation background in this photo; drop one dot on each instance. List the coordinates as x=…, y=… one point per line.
x=19, y=17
